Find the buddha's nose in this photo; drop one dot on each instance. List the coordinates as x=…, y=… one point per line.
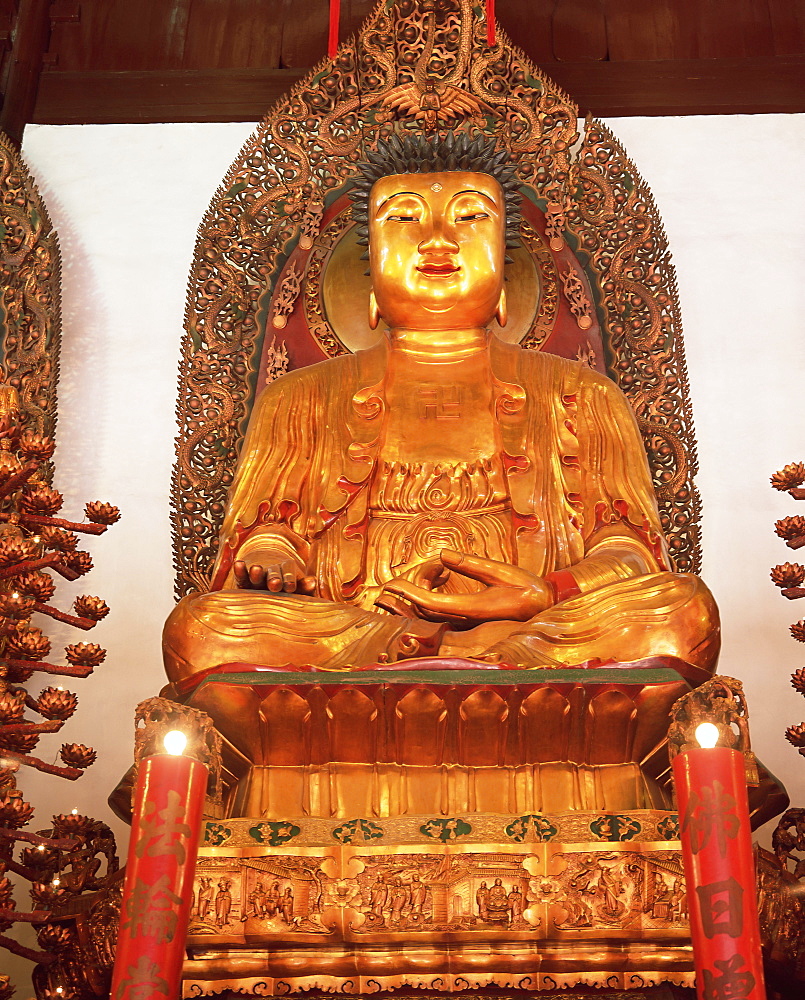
x=438, y=241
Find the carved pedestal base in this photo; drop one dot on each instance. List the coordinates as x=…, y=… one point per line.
x=532, y=902
x=441, y=830
x=665, y=991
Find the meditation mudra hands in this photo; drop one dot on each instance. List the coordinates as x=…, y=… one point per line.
x=510, y=593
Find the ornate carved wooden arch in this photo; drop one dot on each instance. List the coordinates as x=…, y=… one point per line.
x=276, y=268
x=30, y=299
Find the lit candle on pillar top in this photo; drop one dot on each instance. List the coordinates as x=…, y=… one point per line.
x=157, y=894
x=719, y=869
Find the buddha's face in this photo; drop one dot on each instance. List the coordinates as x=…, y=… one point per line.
x=436, y=249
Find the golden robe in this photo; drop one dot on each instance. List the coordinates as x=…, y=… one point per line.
x=568, y=498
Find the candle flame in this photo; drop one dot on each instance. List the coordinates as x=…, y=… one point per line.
x=707, y=735
x=56, y=881
x=175, y=742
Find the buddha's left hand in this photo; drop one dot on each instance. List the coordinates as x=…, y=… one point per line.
x=510, y=594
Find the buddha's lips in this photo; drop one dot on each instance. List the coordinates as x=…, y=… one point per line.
x=434, y=269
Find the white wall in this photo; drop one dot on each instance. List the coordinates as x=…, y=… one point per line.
x=731, y=195
x=126, y=201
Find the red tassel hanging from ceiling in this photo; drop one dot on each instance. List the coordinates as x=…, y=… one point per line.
x=490, y=22
x=332, y=41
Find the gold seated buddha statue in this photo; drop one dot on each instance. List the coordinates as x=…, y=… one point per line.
x=449, y=497
x=443, y=634
x=443, y=493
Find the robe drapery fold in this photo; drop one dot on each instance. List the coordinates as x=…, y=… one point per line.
x=572, y=494
x=576, y=469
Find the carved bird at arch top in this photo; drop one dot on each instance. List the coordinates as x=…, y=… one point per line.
x=435, y=103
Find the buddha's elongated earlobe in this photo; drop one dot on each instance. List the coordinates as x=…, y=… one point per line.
x=374, y=313
x=502, y=311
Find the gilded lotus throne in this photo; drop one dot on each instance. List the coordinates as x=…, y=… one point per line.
x=445, y=786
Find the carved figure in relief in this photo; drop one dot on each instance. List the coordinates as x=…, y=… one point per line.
x=595, y=892
x=608, y=888
x=286, y=906
x=678, y=903
x=616, y=890
x=257, y=901
x=399, y=899
x=444, y=492
x=223, y=902
x=497, y=904
x=578, y=902
x=660, y=908
x=515, y=905
x=273, y=899
x=379, y=896
x=482, y=899
x=205, y=894
x=419, y=895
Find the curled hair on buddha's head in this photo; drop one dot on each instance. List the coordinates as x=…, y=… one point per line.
x=416, y=153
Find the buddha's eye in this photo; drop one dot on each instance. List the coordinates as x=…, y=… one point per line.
x=401, y=217
x=472, y=216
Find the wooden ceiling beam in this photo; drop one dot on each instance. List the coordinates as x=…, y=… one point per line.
x=31, y=35
x=606, y=89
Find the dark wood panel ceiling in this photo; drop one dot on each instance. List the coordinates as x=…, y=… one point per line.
x=224, y=60
x=292, y=34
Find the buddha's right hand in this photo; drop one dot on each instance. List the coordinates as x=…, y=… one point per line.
x=510, y=593
x=285, y=575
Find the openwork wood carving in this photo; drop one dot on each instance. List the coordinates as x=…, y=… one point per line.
x=594, y=261
x=29, y=286
x=720, y=701
x=155, y=717
x=621, y=230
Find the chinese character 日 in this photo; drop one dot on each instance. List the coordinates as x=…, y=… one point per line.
x=721, y=906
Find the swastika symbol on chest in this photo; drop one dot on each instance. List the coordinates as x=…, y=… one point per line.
x=441, y=402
